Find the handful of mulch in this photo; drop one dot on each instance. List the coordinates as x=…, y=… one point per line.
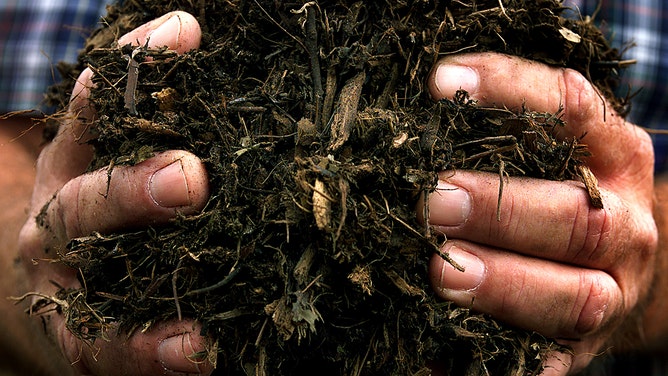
x=319, y=138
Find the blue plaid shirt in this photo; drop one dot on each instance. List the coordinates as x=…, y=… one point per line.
x=34, y=36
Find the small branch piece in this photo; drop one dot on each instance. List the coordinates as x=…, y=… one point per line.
x=133, y=76
x=313, y=51
x=591, y=183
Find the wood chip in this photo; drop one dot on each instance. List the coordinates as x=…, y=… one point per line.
x=591, y=183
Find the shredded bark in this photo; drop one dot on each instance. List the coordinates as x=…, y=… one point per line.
x=319, y=137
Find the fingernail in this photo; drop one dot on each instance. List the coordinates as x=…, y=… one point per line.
x=168, y=186
x=161, y=32
x=449, y=205
x=167, y=34
x=453, y=281
x=450, y=78
x=176, y=354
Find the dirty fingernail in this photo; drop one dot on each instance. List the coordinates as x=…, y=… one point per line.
x=167, y=34
x=168, y=186
x=176, y=355
x=161, y=32
x=450, y=78
x=452, y=281
x=449, y=205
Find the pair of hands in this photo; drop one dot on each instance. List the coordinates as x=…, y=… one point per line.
x=552, y=264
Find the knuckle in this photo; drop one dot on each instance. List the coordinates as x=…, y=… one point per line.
x=641, y=151
x=591, y=231
x=65, y=213
x=595, y=303
x=515, y=293
x=639, y=257
x=649, y=240
x=581, y=101
x=29, y=242
x=645, y=143
x=595, y=233
x=507, y=222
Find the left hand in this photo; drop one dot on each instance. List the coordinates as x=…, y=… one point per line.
x=68, y=203
x=553, y=263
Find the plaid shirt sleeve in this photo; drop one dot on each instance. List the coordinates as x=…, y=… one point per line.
x=34, y=36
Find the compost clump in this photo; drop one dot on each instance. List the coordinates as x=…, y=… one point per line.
x=319, y=137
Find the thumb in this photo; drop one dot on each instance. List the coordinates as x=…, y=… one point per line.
x=166, y=348
x=178, y=31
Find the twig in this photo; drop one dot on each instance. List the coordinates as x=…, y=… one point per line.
x=503, y=11
x=655, y=131
x=390, y=86
x=259, y=335
x=313, y=51
x=105, y=79
x=502, y=172
x=220, y=284
x=175, y=291
x=133, y=76
x=615, y=63
x=279, y=25
x=330, y=93
x=53, y=299
x=401, y=221
x=483, y=154
x=490, y=139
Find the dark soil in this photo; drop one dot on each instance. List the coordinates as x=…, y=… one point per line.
x=319, y=137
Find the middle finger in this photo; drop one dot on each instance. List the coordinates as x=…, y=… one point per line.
x=466, y=205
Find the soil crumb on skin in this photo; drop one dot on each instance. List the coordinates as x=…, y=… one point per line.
x=319, y=136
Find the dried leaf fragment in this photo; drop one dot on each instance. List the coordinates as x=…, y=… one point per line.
x=165, y=98
x=570, y=35
x=361, y=276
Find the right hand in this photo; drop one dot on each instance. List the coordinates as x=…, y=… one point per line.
x=149, y=193
x=553, y=263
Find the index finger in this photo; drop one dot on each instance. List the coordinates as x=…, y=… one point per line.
x=506, y=81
